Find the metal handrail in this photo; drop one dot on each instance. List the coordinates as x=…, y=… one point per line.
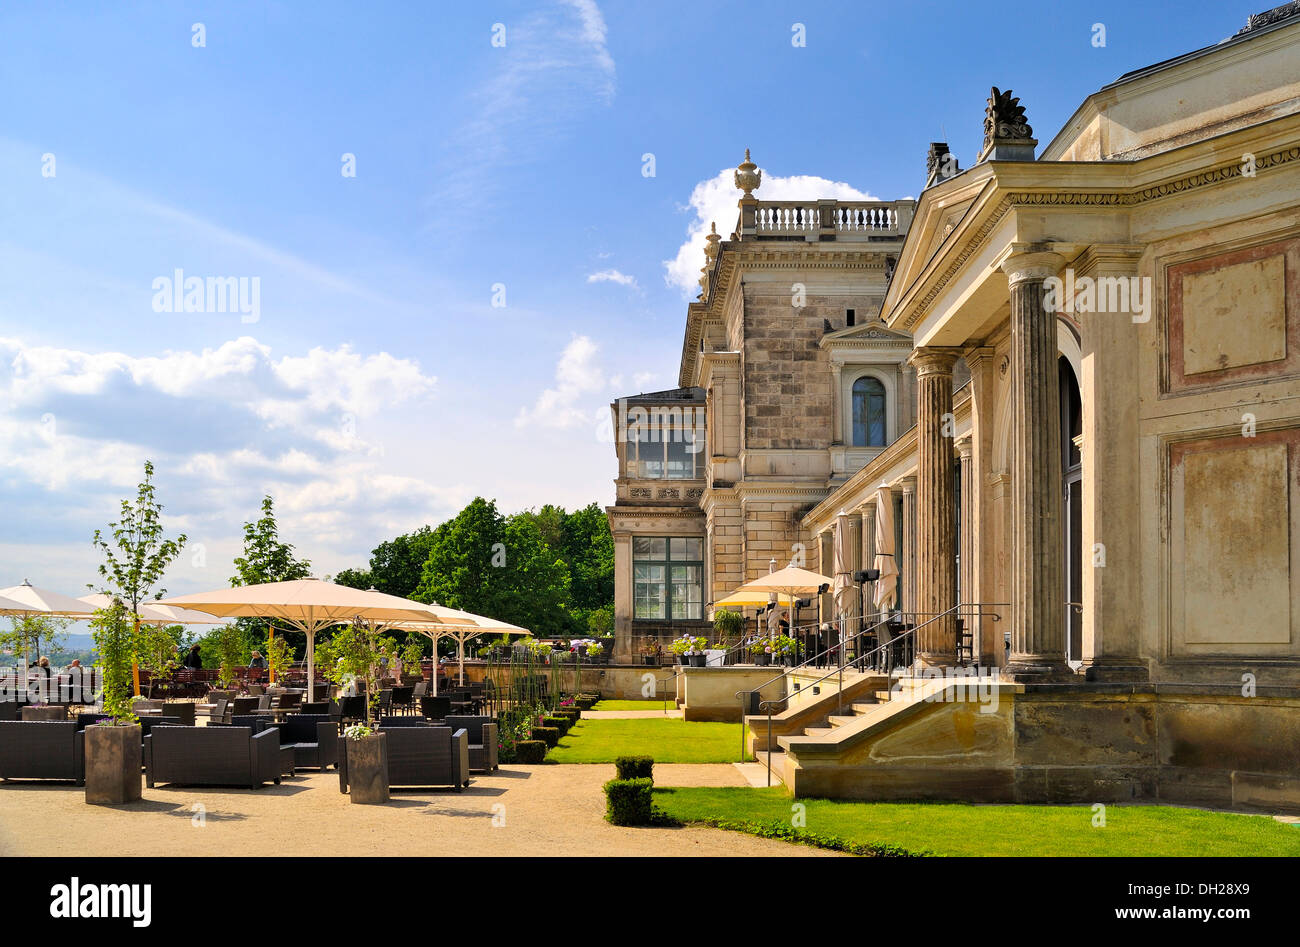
x=769, y=704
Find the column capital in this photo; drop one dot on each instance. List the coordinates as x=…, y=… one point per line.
x=964, y=448
x=1031, y=261
x=907, y=485
x=934, y=359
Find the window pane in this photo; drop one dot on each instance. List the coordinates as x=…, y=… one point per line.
x=681, y=462
x=649, y=592
x=649, y=547
x=687, y=592
x=869, y=428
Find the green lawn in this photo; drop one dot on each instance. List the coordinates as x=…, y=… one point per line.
x=954, y=829
x=670, y=740
x=635, y=704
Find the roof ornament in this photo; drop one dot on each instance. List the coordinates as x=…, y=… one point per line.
x=748, y=177
x=1007, y=134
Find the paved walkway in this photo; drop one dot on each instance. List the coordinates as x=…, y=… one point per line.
x=632, y=714
x=520, y=810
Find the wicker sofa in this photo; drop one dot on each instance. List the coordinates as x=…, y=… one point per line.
x=420, y=756
x=211, y=756
x=42, y=749
x=483, y=741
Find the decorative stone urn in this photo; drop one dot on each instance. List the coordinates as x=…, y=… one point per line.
x=747, y=177
x=113, y=760
x=367, y=769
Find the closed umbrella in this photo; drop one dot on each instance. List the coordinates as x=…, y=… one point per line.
x=843, y=587
x=886, y=591
x=307, y=605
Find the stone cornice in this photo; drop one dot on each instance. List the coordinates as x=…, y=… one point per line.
x=912, y=306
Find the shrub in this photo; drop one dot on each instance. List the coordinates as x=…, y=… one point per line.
x=586, y=701
x=548, y=735
x=530, y=751
x=573, y=713
x=562, y=724
x=635, y=767
x=629, y=801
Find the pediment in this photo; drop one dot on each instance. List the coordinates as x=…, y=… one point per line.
x=866, y=335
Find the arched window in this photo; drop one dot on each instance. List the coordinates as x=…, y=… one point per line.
x=868, y=413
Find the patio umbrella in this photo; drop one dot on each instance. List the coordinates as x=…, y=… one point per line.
x=790, y=582
x=886, y=590
x=462, y=626
x=154, y=613
x=843, y=566
x=32, y=600
x=307, y=605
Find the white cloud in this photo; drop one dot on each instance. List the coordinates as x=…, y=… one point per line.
x=714, y=200
x=577, y=374
x=614, y=276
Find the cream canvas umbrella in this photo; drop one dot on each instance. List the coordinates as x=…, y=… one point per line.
x=37, y=601
x=886, y=590
x=154, y=613
x=791, y=582
x=460, y=625
x=307, y=605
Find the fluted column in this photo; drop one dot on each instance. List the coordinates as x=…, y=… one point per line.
x=907, y=557
x=936, y=525
x=1037, y=544
x=966, y=526
x=869, y=562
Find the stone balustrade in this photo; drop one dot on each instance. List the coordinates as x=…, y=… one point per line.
x=824, y=219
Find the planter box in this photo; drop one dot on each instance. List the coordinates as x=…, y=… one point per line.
x=55, y=712
x=763, y=659
x=113, y=762
x=714, y=658
x=697, y=660
x=367, y=769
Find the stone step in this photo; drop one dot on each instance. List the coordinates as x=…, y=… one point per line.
x=817, y=731
x=839, y=720
x=864, y=707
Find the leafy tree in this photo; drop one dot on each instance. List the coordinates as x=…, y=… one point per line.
x=356, y=652
x=26, y=633
x=112, y=630
x=139, y=555
x=156, y=649
x=278, y=654
x=354, y=578
x=266, y=559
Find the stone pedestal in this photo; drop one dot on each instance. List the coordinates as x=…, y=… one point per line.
x=113, y=762
x=1037, y=544
x=936, y=520
x=367, y=769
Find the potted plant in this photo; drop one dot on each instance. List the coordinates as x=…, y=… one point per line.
x=367, y=764
x=595, y=650
x=113, y=747
x=727, y=627
x=787, y=648
x=134, y=563
x=651, y=652
x=761, y=650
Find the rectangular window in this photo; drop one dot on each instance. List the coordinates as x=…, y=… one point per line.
x=666, y=447
x=668, y=577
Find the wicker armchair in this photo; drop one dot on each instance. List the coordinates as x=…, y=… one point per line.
x=483, y=741
x=314, y=738
x=42, y=749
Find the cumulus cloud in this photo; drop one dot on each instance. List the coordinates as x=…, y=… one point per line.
x=578, y=375
x=714, y=200
x=614, y=276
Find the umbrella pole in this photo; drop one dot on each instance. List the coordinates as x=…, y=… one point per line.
x=135, y=666
x=270, y=674
x=460, y=649
x=311, y=664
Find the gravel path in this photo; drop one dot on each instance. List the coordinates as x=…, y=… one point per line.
x=546, y=810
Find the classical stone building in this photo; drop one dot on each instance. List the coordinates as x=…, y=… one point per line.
x=1076, y=370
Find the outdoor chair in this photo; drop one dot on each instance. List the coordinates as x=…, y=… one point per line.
x=211, y=756
x=483, y=745
x=85, y=720
x=411, y=721
x=9, y=710
x=385, y=701
x=182, y=709
x=290, y=700
x=41, y=749
x=352, y=708
x=316, y=708
x=421, y=689
x=244, y=706
x=435, y=708
x=403, y=698
x=216, y=713
x=314, y=738
x=421, y=756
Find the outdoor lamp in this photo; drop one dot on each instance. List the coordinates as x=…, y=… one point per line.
x=866, y=575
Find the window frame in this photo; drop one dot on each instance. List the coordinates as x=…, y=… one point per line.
x=667, y=562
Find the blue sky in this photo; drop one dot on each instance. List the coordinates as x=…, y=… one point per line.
x=379, y=388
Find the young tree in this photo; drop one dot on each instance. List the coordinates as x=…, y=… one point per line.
x=265, y=559
x=139, y=555
x=26, y=633
x=157, y=649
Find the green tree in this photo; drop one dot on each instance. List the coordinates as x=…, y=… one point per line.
x=114, y=636
x=139, y=555
x=26, y=633
x=156, y=649
x=266, y=559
